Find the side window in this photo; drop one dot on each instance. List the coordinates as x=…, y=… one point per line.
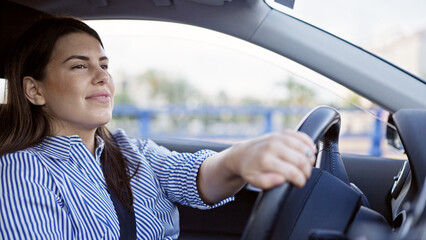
x=179, y=81
x=2, y=90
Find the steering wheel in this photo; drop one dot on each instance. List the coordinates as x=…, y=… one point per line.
x=322, y=124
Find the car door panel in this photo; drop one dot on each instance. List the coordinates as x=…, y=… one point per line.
x=374, y=176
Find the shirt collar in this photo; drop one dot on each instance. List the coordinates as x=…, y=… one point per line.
x=59, y=147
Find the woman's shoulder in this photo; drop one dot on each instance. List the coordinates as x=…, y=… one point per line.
x=27, y=153
x=24, y=173
x=139, y=146
x=25, y=160
x=123, y=140
x=31, y=157
x=20, y=163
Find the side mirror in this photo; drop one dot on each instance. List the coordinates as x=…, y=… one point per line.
x=392, y=136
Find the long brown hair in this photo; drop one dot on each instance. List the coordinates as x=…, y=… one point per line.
x=23, y=124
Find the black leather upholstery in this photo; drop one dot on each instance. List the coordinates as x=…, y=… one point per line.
x=325, y=203
x=329, y=158
x=412, y=130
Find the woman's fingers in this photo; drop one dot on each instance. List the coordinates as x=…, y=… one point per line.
x=297, y=159
x=293, y=148
x=280, y=173
x=302, y=142
x=278, y=157
x=302, y=136
x=265, y=180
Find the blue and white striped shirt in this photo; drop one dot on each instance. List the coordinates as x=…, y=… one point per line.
x=56, y=190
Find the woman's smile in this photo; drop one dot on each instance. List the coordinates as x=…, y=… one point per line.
x=100, y=96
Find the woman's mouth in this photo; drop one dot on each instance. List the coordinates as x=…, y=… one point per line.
x=101, y=96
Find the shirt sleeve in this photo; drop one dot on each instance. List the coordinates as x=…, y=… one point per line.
x=29, y=207
x=177, y=173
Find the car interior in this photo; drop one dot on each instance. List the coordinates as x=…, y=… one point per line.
x=349, y=196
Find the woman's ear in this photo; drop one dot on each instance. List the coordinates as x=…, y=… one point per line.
x=33, y=91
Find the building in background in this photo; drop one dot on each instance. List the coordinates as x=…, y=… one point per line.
x=409, y=52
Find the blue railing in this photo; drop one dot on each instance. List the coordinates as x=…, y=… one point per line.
x=145, y=119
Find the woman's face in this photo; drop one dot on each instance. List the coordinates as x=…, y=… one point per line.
x=77, y=88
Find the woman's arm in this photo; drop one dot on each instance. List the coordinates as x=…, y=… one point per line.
x=264, y=162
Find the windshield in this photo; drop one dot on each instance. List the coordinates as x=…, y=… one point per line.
x=393, y=30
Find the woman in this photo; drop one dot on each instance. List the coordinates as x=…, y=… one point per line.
x=65, y=176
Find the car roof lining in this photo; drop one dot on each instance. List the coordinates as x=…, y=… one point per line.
x=222, y=18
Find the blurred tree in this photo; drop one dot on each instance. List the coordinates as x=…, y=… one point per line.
x=173, y=90
x=251, y=101
x=222, y=98
x=353, y=99
x=298, y=94
x=122, y=96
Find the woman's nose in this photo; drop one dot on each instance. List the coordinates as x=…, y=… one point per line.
x=101, y=76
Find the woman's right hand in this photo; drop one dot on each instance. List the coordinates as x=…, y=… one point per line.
x=264, y=162
x=272, y=159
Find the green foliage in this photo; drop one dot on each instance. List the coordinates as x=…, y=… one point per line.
x=173, y=90
x=298, y=94
x=122, y=96
x=250, y=101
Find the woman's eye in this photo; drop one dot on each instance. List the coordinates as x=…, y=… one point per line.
x=104, y=66
x=80, y=66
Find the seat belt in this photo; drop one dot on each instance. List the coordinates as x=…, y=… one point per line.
x=126, y=218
